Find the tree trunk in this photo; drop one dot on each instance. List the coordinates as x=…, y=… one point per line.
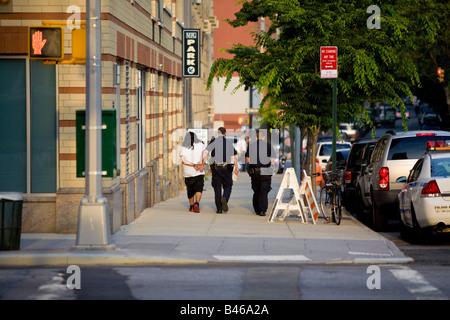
x=313, y=133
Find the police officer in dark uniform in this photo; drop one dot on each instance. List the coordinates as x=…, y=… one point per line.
x=259, y=158
x=223, y=158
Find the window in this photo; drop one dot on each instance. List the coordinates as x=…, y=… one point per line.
x=410, y=148
x=27, y=126
x=415, y=172
x=440, y=167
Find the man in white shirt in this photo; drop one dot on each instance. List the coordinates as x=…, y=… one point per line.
x=191, y=155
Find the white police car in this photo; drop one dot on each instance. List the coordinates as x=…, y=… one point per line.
x=425, y=199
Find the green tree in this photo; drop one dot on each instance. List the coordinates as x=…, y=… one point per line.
x=284, y=62
x=432, y=33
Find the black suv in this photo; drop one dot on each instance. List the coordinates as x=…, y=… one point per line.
x=352, y=170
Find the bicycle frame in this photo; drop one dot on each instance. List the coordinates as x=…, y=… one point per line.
x=330, y=199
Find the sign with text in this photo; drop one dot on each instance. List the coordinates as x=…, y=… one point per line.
x=191, y=53
x=328, y=62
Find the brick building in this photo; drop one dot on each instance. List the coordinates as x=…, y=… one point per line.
x=141, y=80
x=230, y=107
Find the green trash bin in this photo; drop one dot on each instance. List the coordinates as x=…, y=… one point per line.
x=10, y=220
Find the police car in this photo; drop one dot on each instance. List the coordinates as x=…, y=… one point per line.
x=425, y=199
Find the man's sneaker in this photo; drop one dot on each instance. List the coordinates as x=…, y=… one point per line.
x=224, y=204
x=219, y=211
x=196, y=207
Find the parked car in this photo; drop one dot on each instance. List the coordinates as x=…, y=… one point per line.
x=383, y=115
x=324, y=150
x=430, y=121
x=362, y=184
x=424, y=201
x=341, y=159
x=348, y=131
x=352, y=170
x=398, y=114
x=392, y=158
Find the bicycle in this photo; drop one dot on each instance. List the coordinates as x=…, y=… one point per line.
x=330, y=196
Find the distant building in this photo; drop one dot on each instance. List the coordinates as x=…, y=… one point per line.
x=141, y=80
x=228, y=107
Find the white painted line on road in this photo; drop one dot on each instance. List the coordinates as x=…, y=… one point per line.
x=417, y=285
x=369, y=253
x=248, y=258
x=54, y=289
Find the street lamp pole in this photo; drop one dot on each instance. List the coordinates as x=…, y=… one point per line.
x=93, y=230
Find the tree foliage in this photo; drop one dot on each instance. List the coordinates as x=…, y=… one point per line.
x=284, y=61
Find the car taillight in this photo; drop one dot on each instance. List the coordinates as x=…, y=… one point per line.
x=431, y=189
x=383, y=182
x=348, y=176
x=425, y=134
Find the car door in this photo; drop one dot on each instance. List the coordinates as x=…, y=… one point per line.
x=409, y=192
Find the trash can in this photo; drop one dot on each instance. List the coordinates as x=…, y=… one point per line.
x=10, y=220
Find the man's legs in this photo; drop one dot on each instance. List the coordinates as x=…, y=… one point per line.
x=216, y=183
x=264, y=190
x=256, y=194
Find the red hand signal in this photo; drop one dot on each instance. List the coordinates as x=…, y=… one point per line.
x=37, y=42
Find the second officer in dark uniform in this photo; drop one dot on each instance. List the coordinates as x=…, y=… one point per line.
x=260, y=158
x=223, y=159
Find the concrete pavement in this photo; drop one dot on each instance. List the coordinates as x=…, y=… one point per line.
x=168, y=233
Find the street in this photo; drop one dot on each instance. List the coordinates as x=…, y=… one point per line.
x=423, y=279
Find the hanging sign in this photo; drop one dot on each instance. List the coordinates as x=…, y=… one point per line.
x=191, y=53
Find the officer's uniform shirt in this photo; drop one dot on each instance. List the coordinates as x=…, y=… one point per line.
x=222, y=150
x=259, y=153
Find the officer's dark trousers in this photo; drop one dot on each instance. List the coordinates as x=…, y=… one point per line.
x=221, y=179
x=261, y=188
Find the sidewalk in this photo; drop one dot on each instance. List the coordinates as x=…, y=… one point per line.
x=168, y=233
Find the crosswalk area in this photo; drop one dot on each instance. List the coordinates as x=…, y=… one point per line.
x=245, y=281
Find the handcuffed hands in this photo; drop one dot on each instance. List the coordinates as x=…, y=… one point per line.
x=198, y=167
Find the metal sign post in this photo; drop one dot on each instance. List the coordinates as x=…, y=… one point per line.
x=93, y=230
x=328, y=69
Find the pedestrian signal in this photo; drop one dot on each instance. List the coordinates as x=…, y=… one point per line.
x=45, y=43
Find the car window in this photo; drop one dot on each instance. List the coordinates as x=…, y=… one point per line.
x=440, y=167
x=409, y=148
x=378, y=151
x=415, y=171
x=356, y=154
x=342, y=146
x=326, y=149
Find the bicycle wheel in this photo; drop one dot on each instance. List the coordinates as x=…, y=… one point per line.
x=325, y=202
x=337, y=207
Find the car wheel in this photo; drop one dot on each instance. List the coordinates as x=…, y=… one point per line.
x=405, y=231
x=379, y=219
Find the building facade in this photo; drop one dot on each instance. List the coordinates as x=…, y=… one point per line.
x=141, y=80
x=231, y=105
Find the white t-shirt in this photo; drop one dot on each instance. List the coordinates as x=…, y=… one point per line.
x=192, y=156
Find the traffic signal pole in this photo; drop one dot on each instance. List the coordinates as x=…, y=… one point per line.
x=93, y=230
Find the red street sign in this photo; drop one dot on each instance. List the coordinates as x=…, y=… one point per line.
x=328, y=62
